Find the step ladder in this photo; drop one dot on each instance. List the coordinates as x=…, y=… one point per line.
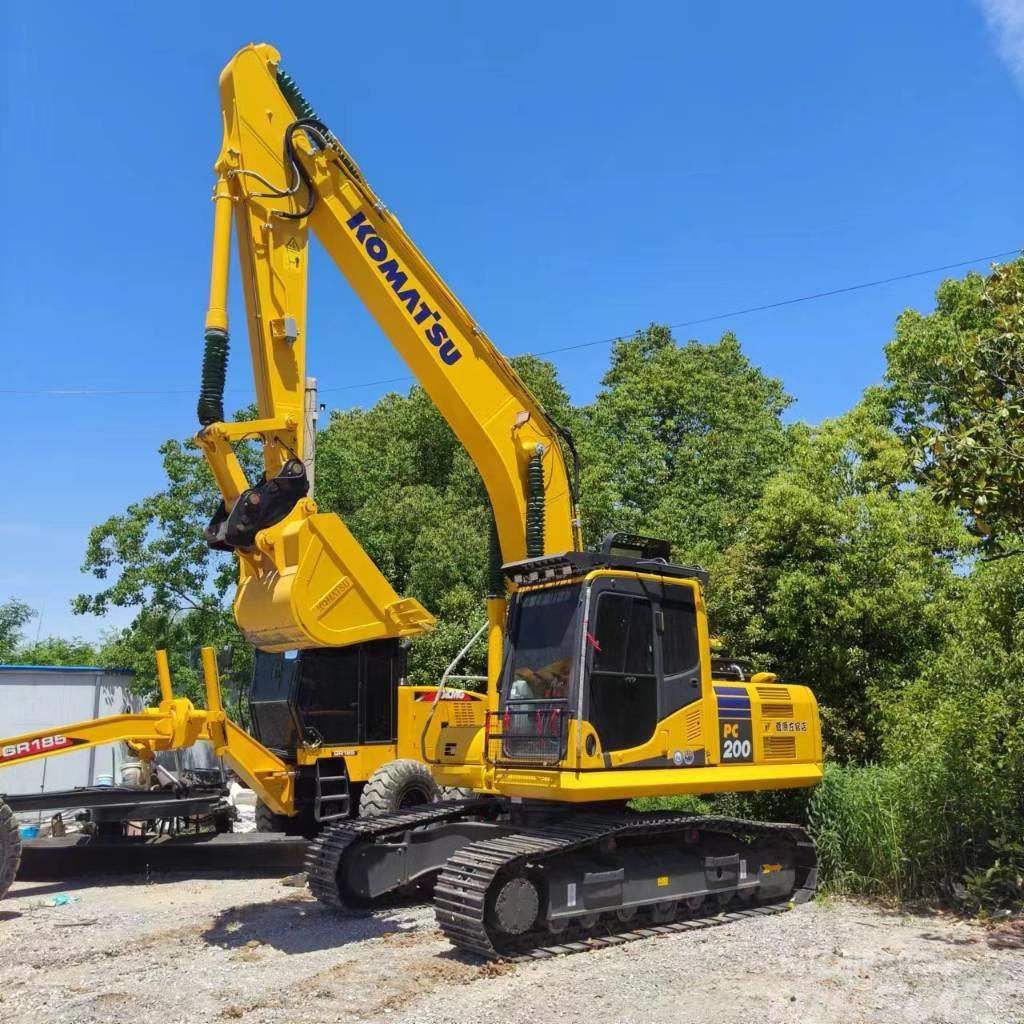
x=333, y=800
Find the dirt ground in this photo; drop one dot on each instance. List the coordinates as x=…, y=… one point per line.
x=177, y=949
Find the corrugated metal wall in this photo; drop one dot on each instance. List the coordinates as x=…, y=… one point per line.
x=36, y=697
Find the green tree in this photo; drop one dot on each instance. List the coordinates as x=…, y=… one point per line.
x=57, y=650
x=956, y=379
x=13, y=615
x=843, y=578
x=680, y=441
x=153, y=558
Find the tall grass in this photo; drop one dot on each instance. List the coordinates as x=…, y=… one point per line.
x=861, y=821
x=947, y=802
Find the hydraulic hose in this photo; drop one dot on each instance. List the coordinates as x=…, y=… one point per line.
x=303, y=110
x=210, y=408
x=535, y=506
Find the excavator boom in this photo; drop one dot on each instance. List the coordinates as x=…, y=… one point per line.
x=304, y=579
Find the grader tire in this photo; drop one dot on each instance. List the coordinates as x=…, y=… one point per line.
x=268, y=821
x=396, y=785
x=456, y=793
x=10, y=848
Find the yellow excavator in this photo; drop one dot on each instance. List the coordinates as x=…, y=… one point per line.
x=601, y=686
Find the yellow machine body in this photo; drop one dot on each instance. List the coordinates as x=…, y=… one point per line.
x=735, y=736
x=464, y=709
x=600, y=682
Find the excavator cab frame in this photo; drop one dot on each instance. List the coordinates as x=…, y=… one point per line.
x=608, y=692
x=327, y=697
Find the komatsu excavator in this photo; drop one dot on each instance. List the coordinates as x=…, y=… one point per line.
x=601, y=686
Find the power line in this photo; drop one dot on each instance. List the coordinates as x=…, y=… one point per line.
x=802, y=298
x=66, y=392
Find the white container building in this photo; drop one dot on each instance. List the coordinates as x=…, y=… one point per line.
x=36, y=697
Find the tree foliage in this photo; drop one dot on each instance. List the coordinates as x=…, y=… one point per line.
x=957, y=385
x=13, y=615
x=680, y=441
x=58, y=650
x=153, y=558
x=50, y=650
x=843, y=576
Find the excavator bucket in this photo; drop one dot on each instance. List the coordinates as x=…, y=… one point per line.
x=328, y=593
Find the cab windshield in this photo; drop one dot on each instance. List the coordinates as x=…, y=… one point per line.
x=543, y=644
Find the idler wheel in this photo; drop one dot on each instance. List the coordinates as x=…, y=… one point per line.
x=516, y=905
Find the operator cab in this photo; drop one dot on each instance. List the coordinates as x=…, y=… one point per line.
x=329, y=696
x=609, y=637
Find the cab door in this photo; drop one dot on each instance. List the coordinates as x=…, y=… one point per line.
x=623, y=683
x=679, y=649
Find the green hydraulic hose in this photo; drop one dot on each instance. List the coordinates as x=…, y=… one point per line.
x=535, y=506
x=210, y=408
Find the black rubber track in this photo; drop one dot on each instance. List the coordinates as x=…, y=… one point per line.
x=460, y=894
x=326, y=851
x=10, y=848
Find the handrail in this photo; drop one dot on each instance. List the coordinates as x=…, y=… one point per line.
x=445, y=676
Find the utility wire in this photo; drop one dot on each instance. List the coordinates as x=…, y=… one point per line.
x=802, y=298
x=63, y=392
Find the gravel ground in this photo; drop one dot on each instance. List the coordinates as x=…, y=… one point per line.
x=180, y=949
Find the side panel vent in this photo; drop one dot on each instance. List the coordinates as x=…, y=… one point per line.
x=694, y=732
x=773, y=692
x=776, y=710
x=464, y=713
x=780, y=748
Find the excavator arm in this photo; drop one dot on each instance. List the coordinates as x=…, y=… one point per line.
x=304, y=580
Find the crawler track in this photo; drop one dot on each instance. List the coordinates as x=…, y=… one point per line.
x=462, y=888
x=464, y=884
x=328, y=849
x=10, y=848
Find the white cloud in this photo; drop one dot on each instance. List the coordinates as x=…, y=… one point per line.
x=1005, y=20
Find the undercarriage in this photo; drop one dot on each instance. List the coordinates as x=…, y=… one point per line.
x=512, y=881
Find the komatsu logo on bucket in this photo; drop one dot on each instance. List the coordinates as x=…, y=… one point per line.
x=376, y=248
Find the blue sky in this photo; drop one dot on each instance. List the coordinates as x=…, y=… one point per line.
x=574, y=170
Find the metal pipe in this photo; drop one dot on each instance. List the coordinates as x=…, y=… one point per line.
x=427, y=759
x=220, y=263
x=163, y=675
x=211, y=678
x=458, y=657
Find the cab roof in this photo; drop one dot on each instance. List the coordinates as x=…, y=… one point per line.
x=623, y=551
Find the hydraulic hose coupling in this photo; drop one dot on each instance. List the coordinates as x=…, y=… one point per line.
x=210, y=408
